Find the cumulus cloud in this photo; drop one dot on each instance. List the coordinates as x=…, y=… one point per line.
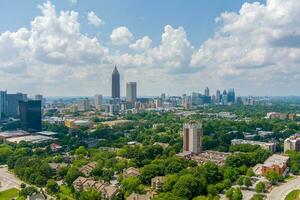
x=94, y=19
x=258, y=45
x=141, y=44
x=121, y=35
x=256, y=50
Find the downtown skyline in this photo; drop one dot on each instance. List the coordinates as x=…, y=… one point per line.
x=66, y=51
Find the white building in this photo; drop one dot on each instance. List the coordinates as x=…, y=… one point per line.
x=270, y=146
x=292, y=143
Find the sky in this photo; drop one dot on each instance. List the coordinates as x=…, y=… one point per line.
x=70, y=47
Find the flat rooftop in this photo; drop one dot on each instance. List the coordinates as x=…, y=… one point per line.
x=10, y=134
x=30, y=138
x=47, y=133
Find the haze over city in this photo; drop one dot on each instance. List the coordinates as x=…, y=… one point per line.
x=69, y=48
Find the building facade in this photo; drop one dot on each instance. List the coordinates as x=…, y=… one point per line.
x=115, y=89
x=31, y=115
x=131, y=92
x=292, y=143
x=192, y=137
x=98, y=101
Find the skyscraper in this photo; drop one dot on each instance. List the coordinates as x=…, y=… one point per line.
x=218, y=96
x=206, y=91
x=231, y=95
x=115, y=87
x=31, y=115
x=131, y=92
x=84, y=105
x=192, y=137
x=2, y=103
x=12, y=108
x=98, y=101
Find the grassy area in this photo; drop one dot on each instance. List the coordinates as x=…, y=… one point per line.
x=9, y=194
x=293, y=195
x=65, y=193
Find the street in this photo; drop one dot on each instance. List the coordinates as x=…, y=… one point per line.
x=279, y=192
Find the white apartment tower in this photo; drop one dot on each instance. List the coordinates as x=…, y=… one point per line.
x=192, y=137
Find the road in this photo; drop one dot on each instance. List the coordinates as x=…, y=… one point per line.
x=279, y=193
x=8, y=180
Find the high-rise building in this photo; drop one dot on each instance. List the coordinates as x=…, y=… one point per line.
x=206, y=91
x=231, y=96
x=41, y=98
x=131, y=92
x=2, y=103
x=98, y=101
x=218, y=96
x=192, y=137
x=115, y=88
x=163, y=96
x=12, y=104
x=84, y=105
x=31, y=115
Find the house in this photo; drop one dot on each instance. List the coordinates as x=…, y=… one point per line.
x=57, y=166
x=55, y=147
x=88, y=168
x=107, y=191
x=131, y=172
x=135, y=196
x=157, y=183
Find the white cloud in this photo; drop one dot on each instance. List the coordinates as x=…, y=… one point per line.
x=256, y=50
x=94, y=19
x=121, y=35
x=74, y=1
x=141, y=44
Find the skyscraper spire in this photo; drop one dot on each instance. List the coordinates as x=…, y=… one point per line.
x=115, y=89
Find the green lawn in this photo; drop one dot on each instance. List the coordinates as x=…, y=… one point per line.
x=9, y=194
x=293, y=195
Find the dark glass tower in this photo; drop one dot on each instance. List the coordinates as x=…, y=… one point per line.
x=115, y=87
x=31, y=115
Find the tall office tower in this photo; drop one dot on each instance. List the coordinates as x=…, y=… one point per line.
x=40, y=97
x=84, y=104
x=163, y=96
x=218, y=96
x=131, y=92
x=31, y=115
x=12, y=104
x=192, y=137
x=231, y=95
x=186, y=102
x=98, y=101
x=115, y=87
x=2, y=103
x=206, y=91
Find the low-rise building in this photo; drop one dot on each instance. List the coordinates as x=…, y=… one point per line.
x=277, y=163
x=107, y=191
x=292, y=143
x=57, y=166
x=135, y=196
x=131, y=172
x=270, y=146
x=157, y=183
x=88, y=168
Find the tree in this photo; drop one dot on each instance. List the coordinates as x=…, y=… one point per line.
x=211, y=189
x=240, y=180
x=130, y=185
x=257, y=197
x=260, y=187
x=247, y=181
x=237, y=194
x=250, y=172
x=187, y=186
x=72, y=174
x=52, y=186
x=273, y=177
x=167, y=196
x=150, y=171
x=28, y=191
x=229, y=193
x=90, y=194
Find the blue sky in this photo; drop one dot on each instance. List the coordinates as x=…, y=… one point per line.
x=143, y=17
x=61, y=47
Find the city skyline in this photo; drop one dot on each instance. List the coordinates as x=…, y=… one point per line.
x=63, y=48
